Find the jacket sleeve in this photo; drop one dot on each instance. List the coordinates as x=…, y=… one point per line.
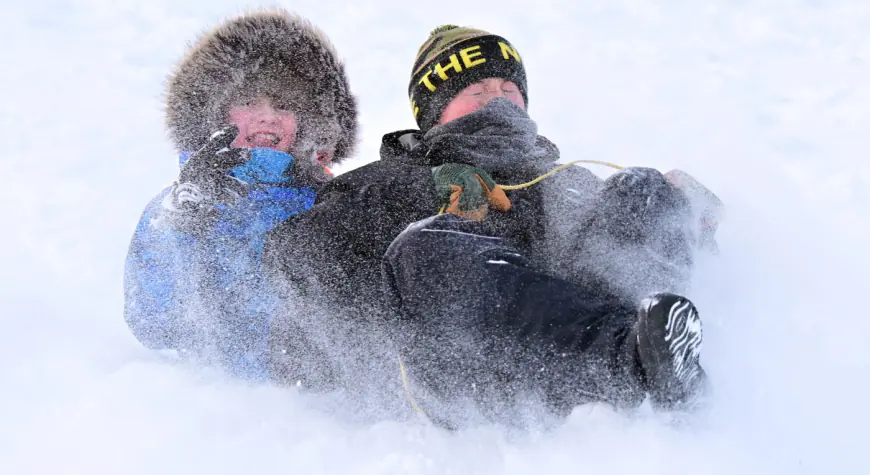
x=341, y=240
x=152, y=295
x=331, y=255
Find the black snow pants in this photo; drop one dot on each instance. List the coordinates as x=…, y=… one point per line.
x=480, y=329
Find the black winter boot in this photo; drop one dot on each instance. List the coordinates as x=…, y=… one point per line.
x=669, y=346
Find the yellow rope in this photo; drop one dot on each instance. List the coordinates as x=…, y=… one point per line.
x=506, y=188
x=547, y=175
x=408, y=388
x=553, y=172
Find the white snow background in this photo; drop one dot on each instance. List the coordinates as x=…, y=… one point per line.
x=767, y=102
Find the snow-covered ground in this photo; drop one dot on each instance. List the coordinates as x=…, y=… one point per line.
x=767, y=102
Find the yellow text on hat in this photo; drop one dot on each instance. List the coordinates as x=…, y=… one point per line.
x=471, y=57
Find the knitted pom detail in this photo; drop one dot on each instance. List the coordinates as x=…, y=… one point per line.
x=442, y=29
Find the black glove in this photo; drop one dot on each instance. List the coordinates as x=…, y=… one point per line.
x=641, y=203
x=636, y=238
x=639, y=206
x=207, y=169
x=204, y=182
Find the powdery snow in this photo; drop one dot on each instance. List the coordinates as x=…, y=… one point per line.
x=766, y=102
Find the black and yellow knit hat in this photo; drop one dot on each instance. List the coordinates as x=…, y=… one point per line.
x=454, y=58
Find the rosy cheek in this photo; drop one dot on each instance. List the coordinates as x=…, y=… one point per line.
x=239, y=142
x=472, y=106
x=459, y=108
x=288, y=126
x=240, y=118
x=517, y=99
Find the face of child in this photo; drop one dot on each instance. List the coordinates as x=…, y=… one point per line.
x=478, y=94
x=261, y=125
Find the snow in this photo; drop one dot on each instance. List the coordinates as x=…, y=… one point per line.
x=765, y=102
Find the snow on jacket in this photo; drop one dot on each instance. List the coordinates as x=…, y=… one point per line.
x=331, y=255
x=204, y=293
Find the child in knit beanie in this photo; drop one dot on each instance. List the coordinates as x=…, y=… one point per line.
x=485, y=290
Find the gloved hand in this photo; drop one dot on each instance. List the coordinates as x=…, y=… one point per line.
x=207, y=169
x=203, y=181
x=639, y=208
x=640, y=202
x=468, y=191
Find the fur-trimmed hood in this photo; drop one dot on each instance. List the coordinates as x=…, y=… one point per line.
x=271, y=53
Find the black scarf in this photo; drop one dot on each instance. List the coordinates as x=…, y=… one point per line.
x=498, y=137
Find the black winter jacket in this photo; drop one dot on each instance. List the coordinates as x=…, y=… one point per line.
x=329, y=258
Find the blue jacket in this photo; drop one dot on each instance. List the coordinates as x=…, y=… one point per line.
x=205, y=293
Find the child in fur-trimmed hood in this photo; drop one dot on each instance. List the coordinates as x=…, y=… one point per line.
x=258, y=109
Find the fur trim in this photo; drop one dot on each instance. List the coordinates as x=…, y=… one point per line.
x=272, y=53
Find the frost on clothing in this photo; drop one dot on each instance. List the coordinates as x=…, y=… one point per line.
x=204, y=293
x=193, y=271
x=483, y=314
